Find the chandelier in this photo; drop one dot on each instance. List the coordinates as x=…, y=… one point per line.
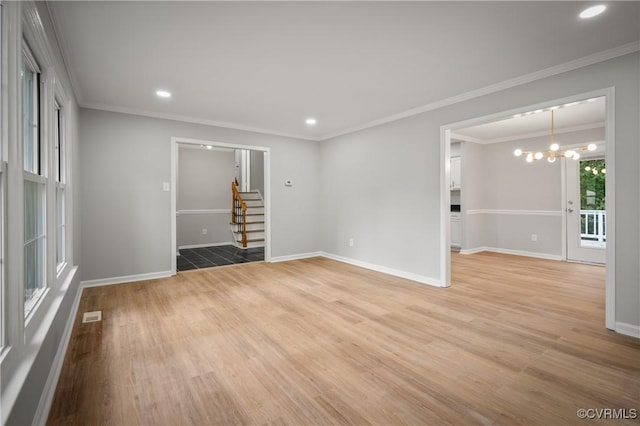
x=554, y=150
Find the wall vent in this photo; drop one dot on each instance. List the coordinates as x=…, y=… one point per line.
x=94, y=316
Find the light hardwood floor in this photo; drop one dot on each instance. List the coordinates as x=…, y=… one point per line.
x=514, y=341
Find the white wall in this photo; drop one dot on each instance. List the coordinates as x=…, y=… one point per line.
x=473, y=193
x=389, y=199
x=257, y=171
x=380, y=186
x=126, y=215
x=204, y=183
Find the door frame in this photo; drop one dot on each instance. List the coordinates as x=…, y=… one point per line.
x=445, y=196
x=565, y=216
x=175, y=140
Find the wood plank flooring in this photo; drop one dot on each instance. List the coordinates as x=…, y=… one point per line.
x=514, y=341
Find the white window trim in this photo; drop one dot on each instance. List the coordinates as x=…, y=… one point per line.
x=61, y=103
x=24, y=336
x=31, y=304
x=60, y=267
x=3, y=179
x=31, y=62
x=3, y=246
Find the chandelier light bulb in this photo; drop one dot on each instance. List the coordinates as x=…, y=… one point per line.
x=592, y=147
x=551, y=159
x=576, y=156
x=517, y=152
x=570, y=153
x=539, y=155
x=554, y=147
x=529, y=158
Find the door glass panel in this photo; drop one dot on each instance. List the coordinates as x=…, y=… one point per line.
x=593, y=217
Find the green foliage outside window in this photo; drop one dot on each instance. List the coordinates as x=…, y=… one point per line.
x=592, y=185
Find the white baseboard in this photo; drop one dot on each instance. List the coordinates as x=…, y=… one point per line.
x=378, y=268
x=513, y=252
x=422, y=279
x=191, y=246
x=125, y=279
x=628, y=329
x=473, y=250
x=46, y=398
x=295, y=257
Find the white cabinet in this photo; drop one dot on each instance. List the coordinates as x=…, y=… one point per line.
x=455, y=173
x=456, y=230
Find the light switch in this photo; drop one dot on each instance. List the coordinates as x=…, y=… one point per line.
x=166, y=186
x=288, y=182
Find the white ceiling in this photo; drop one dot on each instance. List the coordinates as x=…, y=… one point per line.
x=269, y=65
x=587, y=114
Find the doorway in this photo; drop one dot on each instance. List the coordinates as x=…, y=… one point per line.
x=263, y=154
x=449, y=132
x=586, y=214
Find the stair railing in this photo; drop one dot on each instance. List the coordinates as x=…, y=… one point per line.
x=239, y=212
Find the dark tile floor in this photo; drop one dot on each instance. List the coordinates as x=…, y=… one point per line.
x=207, y=257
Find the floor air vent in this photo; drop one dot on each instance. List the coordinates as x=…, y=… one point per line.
x=94, y=316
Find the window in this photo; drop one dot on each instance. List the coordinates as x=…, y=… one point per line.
x=58, y=142
x=31, y=114
x=34, y=185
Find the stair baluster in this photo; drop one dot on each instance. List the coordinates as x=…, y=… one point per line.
x=239, y=210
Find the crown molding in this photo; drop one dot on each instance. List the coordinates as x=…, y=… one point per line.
x=64, y=52
x=193, y=120
x=595, y=58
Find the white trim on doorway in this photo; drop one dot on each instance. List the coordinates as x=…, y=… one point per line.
x=175, y=142
x=445, y=145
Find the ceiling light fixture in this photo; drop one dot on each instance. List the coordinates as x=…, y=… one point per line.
x=554, y=151
x=311, y=121
x=593, y=11
x=163, y=94
x=594, y=170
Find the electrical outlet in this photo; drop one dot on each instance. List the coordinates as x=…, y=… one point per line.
x=534, y=237
x=205, y=231
x=350, y=242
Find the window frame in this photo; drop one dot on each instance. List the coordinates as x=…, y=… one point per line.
x=60, y=187
x=3, y=185
x=29, y=61
x=32, y=302
x=36, y=174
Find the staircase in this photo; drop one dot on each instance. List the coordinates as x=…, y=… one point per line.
x=247, y=218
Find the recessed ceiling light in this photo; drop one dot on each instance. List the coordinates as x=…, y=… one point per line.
x=592, y=11
x=163, y=94
x=311, y=121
